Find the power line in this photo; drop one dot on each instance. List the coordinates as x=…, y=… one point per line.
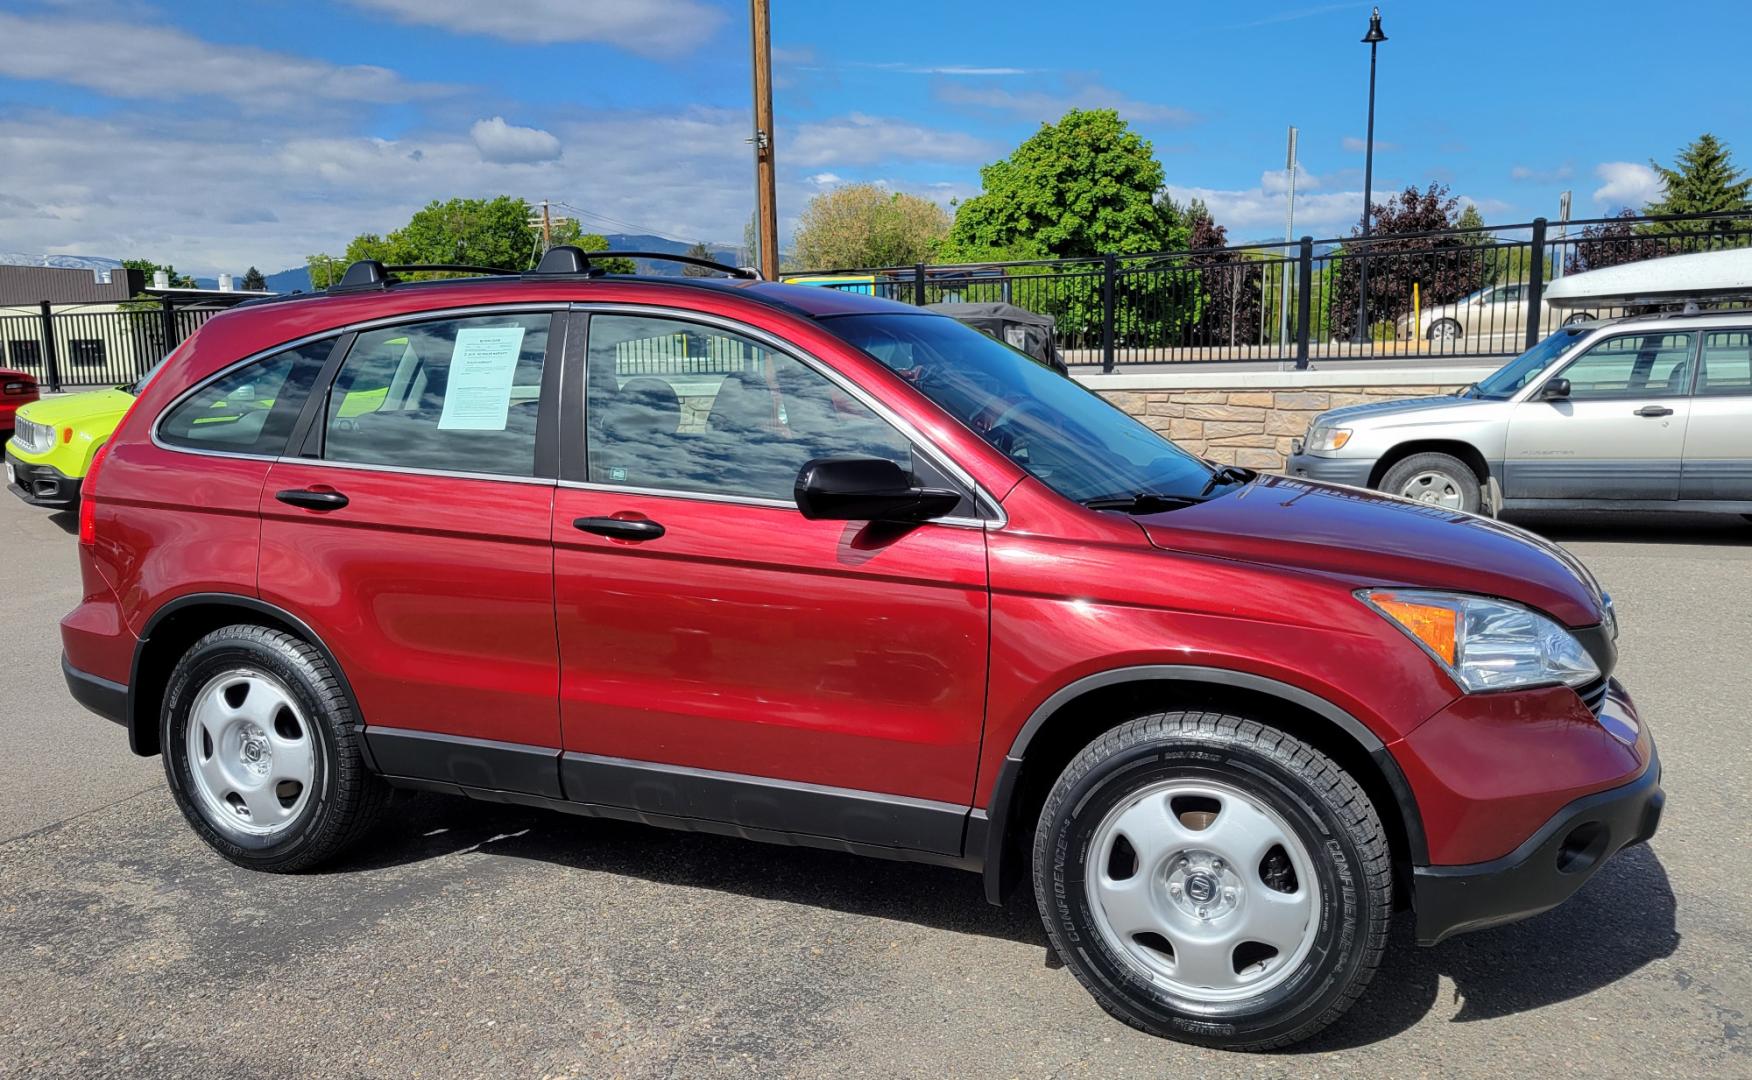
x=619, y=223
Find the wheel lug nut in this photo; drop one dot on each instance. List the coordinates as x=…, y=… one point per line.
x=1216, y=864
x=1228, y=894
x=1174, y=889
x=1203, y=912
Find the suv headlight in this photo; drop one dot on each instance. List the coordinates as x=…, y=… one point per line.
x=1324, y=438
x=1486, y=644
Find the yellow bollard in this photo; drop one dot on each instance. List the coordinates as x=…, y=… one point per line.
x=1416, y=319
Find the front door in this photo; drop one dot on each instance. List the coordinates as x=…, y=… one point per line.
x=414, y=532
x=1619, y=435
x=722, y=657
x=1718, y=440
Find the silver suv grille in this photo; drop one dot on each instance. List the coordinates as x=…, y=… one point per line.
x=31, y=437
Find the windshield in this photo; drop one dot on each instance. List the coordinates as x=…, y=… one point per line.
x=1064, y=435
x=1504, y=382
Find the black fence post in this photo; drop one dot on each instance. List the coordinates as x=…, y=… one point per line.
x=1536, y=285
x=919, y=284
x=1304, y=301
x=51, y=359
x=1108, y=265
x=167, y=316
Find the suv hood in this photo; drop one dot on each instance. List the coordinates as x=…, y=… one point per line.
x=1368, y=539
x=79, y=408
x=1387, y=408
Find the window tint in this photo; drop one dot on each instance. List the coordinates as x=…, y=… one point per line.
x=1633, y=365
x=682, y=407
x=459, y=395
x=250, y=410
x=1727, y=363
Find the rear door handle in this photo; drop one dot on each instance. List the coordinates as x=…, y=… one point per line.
x=621, y=528
x=312, y=500
x=1654, y=410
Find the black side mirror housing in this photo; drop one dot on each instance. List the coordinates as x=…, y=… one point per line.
x=867, y=489
x=1556, y=389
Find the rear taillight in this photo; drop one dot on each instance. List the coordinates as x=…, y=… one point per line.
x=16, y=388
x=88, y=504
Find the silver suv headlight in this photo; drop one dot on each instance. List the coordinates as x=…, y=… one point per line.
x=1324, y=438
x=1486, y=644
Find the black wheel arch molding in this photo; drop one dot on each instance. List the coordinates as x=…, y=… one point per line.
x=991, y=832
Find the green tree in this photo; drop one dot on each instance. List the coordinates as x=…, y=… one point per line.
x=698, y=251
x=864, y=225
x=1702, y=181
x=1083, y=187
x=253, y=281
x=148, y=268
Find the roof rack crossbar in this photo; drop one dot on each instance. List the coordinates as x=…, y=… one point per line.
x=570, y=260
x=369, y=275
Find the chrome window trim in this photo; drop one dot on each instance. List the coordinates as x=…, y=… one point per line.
x=543, y=481
x=434, y=315
x=742, y=500
x=983, y=500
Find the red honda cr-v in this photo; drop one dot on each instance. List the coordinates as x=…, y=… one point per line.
x=816, y=568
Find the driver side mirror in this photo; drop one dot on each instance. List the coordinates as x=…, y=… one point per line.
x=1555, y=389
x=867, y=489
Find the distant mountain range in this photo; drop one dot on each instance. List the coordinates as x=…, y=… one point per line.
x=297, y=278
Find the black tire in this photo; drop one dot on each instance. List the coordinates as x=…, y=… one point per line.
x=1456, y=472
x=1452, y=331
x=1332, y=818
x=345, y=796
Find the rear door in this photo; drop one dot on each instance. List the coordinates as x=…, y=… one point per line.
x=1718, y=441
x=412, y=533
x=735, y=645
x=1620, y=435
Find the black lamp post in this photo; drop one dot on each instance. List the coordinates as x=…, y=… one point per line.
x=1373, y=40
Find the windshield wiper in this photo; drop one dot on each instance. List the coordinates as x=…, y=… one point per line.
x=1227, y=474
x=1144, y=502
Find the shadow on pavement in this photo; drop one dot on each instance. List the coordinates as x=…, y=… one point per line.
x=1637, y=528
x=67, y=521
x=1621, y=920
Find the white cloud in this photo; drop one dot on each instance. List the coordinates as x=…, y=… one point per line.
x=1048, y=106
x=655, y=28
x=1627, y=184
x=508, y=144
x=129, y=60
x=972, y=70
x=857, y=139
x=1542, y=176
x=824, y=179
x=1276, y=181
x=1356, y=144
x=1253, y=213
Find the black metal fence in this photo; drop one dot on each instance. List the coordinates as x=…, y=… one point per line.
x=1455, y=293
x=106, y=344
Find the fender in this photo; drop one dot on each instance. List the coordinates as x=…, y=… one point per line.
x=988, y=830
x=143, y=740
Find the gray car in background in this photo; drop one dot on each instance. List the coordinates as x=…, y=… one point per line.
x=1652, y=412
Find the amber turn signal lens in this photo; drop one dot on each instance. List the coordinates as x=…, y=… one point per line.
x=1340, y=437
x=1432, y=624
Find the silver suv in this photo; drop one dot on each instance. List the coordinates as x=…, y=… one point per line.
x=1651, y=412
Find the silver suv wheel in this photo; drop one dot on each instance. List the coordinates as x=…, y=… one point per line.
x=252, y=754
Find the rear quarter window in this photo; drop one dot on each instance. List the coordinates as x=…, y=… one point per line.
x=250, y=409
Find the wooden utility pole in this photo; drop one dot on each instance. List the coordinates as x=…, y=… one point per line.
x=766, y=198
x=547, y=228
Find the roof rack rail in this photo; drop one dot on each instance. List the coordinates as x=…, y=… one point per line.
x=367, y=275
x=568, y=260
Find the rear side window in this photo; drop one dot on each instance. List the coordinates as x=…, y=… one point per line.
x=1727, y=363
x=251, y=409
x=461, y=395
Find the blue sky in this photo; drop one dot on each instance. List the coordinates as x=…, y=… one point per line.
x=217, y=135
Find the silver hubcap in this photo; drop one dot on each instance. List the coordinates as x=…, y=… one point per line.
x=1203, y=889
x=1437, y=489
x=252, y=757
x=1446, y=331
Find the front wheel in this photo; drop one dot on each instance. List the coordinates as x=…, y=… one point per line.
x=1435, y=480
x=1213, y=880
x=1444, y=331
x=262, y=750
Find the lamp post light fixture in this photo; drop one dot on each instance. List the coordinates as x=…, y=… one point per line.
x=1373, y=40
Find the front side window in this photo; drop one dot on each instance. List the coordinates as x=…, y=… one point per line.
x=1653, y=364
x=250, y=410
x=458, y=395
x=1066, y=436
x=1727, y=363
x=678, y=406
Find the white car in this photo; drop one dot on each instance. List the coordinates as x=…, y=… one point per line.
x=1493, y=315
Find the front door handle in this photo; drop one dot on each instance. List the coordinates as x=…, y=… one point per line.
x=312, y=500
x=620, y=528
x=1654, y=410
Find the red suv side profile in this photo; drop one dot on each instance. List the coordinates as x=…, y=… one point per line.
x=814, y=568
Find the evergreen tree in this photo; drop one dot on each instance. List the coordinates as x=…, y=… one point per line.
x=253, y=281
x=1703, y=181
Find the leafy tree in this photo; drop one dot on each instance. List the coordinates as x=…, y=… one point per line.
x=698, y=251
x=1610, y=244
x=253, y=281
x=1083, y=187
x=148, y=268
x=865, y=225
x=1229, y=285
x=473, y=232
x=568, y=231
x=1445, y=266
x=1703, y=181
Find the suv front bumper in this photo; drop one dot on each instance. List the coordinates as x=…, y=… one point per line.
x=1352, y=471
x=41, y=485
x=1546, y=869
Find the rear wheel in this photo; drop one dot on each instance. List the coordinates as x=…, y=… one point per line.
x=1213, y=880
x=1435, y=480
x=262, y=750
x=1445, y=331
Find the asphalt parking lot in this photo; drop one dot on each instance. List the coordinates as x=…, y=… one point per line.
x=470, y=940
